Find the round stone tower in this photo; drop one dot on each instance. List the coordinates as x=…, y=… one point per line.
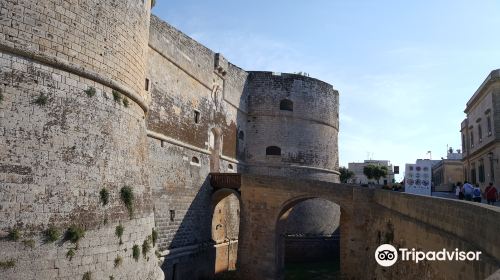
x=292, y=126
x=73, y=150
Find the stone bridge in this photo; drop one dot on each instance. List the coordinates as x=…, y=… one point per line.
x=368, y=218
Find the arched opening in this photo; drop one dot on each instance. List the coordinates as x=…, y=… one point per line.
x=286, y=105
x=308, y=240
x=225, y=230
x=273, y=151
x=215, y=147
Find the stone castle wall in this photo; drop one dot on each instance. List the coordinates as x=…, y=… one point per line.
x=102, y=95
x=64, y=137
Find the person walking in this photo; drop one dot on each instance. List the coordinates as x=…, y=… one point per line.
x=459, y=192
x=491, y=194
x=468, y=188
x=476, y=194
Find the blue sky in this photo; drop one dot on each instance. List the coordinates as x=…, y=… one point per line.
x=404, y=69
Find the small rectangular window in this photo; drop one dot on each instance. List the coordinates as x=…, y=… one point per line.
x=196, y=116
x=488, y=120
x=146, y=84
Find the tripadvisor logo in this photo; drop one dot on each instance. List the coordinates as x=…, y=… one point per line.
x=387, y=255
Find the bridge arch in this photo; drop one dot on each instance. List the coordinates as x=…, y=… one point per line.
x=281, y=226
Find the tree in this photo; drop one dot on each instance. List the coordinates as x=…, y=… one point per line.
x=345, y=174
x=375, y=172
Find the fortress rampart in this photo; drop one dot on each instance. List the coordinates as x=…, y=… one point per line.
x=100, y=100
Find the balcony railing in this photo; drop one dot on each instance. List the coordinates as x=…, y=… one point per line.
x=225, y=180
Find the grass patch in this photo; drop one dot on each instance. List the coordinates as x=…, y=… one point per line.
x=7, y=264
x=127, y=196
x=126, y=103
x=104, y=195
x=136, y=252
x=90, y=91
x=70, y=254
x=41, y=100
x=116, y=96
x=75, y=233
x=29, y=243
x=87, y=276
x=118, y=261
x=14, y=234
x=52, y=234
x=146, y=246
x=119, y=232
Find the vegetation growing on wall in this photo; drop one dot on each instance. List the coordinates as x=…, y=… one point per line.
x=7, y=264
x=104, y=195
x=87, y=276
x=119, y=232
x=125, y=102
x=14, y=234
x=146, y=246
x=41, y=100
x=127, y=196
x=52, y=234
x=75, y=233
x=136, y=252
x=116, y=96
x=90, y=91
x=70, y=254
x=118, y=261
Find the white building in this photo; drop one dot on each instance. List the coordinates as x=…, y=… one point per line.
x=360, y=178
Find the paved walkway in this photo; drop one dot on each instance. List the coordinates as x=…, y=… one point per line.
x=453, y=196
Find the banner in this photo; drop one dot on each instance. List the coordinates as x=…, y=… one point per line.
x=418, y=178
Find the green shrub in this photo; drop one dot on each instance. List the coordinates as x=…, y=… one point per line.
x=104, y=194
x=136, y=252
x=116, y=96
x=14, y=234
x=52, y=234
x=154, y=236
x=119, y=232
x=41, y=100
x=118, y=261
x=125, y=102
x=30, y=243
x=127, y=196
x=75, y=233
x=7, y=264
x=70, y=254
x=146, y=246
x=90, y=91
x=87, y=276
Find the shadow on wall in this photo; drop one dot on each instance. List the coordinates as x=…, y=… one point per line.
x=312, y=232
x=190, y=251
